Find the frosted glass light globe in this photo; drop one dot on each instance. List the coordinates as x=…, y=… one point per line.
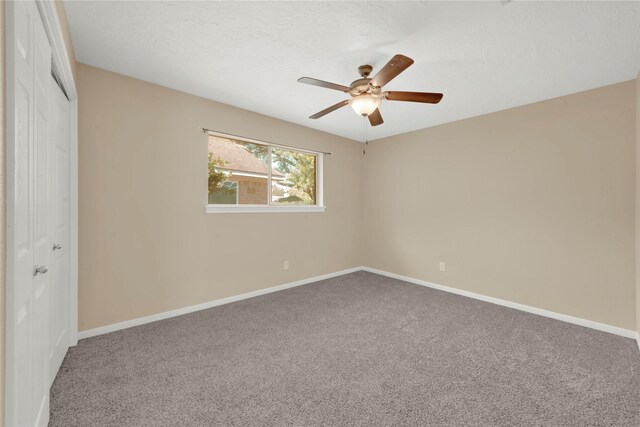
x=364, y=104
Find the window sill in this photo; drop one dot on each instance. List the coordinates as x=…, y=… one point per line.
x=261, y=209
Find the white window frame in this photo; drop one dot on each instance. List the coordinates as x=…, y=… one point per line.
x=268, y=208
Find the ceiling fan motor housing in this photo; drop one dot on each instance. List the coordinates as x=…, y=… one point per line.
x=363, y=85
x=360, y=86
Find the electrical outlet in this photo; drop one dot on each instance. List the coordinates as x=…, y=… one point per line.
x=443, y=266
x=285, y=265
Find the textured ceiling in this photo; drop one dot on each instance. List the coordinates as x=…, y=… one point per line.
x=484, y=56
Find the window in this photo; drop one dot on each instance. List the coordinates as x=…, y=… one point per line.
x=252, y=176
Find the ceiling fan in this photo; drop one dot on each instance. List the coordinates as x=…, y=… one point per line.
x=367, y=94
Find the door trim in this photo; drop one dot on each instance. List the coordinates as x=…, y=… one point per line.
x=52, y=26
x=10, y=102
x=62, y=59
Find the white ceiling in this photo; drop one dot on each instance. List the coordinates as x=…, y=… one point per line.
x=484, y=56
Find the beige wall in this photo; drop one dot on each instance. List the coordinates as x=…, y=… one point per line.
x=146, y=245
x=533, y=205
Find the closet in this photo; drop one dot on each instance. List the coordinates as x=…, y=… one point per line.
x=38, y=218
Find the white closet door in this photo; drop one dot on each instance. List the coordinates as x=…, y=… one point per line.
x=29, y=61
x=41, y=222
x=60, y=262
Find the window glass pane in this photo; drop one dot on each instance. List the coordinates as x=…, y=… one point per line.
x=238, y=172
x=293, y=178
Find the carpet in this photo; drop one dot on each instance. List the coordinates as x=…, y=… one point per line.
x=356, y=350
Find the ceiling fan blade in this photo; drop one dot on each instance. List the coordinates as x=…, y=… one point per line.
x=322, y=83
x=430, y=98
x=390, y=71
x=375, y=118
x=330, y=109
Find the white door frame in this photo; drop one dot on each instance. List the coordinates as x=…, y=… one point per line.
x=61, y=58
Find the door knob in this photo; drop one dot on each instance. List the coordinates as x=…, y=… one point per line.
x=39, y=269
x=57, y=246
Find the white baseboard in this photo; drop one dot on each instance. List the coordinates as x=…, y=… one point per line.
x=529, y=309
x=185, y=310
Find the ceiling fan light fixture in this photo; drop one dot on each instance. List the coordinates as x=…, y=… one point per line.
x=364, y=104
x=367, y=93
